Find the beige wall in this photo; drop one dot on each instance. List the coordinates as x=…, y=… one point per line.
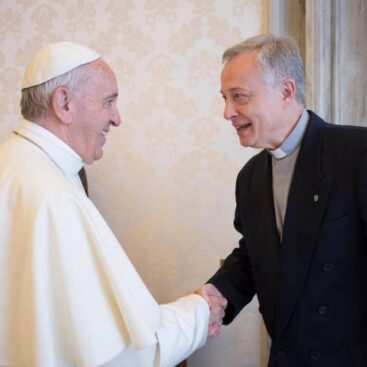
x=166, y=181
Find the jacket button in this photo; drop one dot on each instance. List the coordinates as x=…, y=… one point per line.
x=322, y=310
x=328, y=267
x=314, y=354
x=281, y=354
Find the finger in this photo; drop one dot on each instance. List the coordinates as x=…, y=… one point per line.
x=218, y=300
x=216, y=308
x=209, y=290
x=217, y=319
x=217, y=313
x=214, y=329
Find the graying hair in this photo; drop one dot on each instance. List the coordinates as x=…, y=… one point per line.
x=35, y=101
x=279, y=59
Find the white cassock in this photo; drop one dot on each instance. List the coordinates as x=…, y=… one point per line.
x=69, y=296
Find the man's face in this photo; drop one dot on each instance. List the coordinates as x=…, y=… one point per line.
x=254, y=108
x=95, y=111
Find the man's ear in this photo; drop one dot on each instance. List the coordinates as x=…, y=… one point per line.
x=60, y=104
x=288, y=91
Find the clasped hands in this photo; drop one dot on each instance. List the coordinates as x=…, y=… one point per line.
x=217, y=305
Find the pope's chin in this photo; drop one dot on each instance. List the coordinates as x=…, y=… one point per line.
x=98, y=151
x=97, y=154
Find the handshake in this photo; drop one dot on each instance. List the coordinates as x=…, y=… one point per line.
x=217, y=305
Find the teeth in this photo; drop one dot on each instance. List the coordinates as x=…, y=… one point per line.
x=238, y=128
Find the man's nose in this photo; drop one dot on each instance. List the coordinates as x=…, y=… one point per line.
x=229, y=110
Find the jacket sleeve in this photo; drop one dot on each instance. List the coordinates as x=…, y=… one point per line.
x=362, y=190
x=234, y=279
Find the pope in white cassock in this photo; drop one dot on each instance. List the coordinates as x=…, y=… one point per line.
x=69, y=295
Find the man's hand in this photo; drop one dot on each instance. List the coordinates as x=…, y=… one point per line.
x=217, y=305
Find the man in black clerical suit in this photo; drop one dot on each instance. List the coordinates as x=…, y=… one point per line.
x=301, y=208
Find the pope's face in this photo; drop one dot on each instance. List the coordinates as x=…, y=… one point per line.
x=95, y=110
x=253, y=107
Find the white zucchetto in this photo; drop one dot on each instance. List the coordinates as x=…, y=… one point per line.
x=56, y=59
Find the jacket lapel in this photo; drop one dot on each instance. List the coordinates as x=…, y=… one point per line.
x=262, y=224
x=307, y=201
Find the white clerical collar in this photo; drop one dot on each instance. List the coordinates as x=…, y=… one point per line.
x=293, y=140
x=60, y=153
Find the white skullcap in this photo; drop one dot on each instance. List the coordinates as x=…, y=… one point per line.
x=56, y=59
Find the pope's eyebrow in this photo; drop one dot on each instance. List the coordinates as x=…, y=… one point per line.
x=112, y=96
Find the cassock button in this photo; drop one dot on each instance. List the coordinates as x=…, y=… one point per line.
x=322, y=310
x=315, y=354
x=316, y=198
x=328, y=267
x=281, y=354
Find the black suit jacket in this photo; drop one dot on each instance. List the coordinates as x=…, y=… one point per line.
x=311, y=286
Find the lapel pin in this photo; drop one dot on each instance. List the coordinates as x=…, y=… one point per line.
x=316, y=198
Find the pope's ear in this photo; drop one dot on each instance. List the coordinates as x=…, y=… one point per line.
x=60, y=104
